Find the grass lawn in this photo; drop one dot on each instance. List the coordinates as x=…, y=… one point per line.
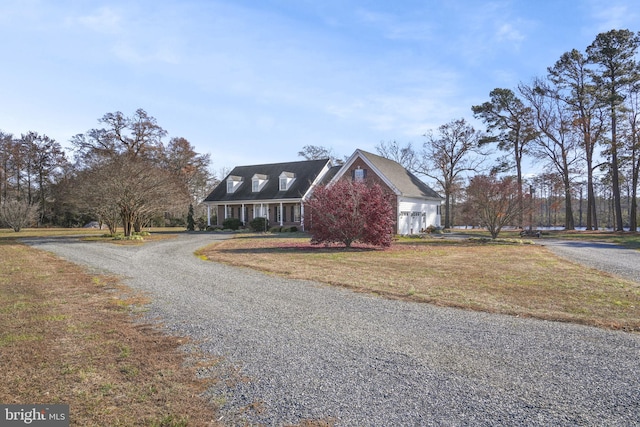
x=516, y=279
x=68, y=337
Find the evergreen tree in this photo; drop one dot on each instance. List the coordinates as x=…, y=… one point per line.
x=191, y=224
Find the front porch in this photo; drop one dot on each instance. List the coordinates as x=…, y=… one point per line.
x=277, y=213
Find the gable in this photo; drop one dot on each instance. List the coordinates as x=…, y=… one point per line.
x=387, y=173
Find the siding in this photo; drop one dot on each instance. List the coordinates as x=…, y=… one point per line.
x=415, y=215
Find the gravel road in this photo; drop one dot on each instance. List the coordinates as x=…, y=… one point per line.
x=608, y=257
x=310, y=351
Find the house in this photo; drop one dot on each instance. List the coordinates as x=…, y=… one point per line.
x=278, y=191
x=275, y=191
x=416, y=205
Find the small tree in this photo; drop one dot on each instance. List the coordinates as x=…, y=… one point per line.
x=191, y=224
x=17, y=214
x=494, y=202
x=347, y=212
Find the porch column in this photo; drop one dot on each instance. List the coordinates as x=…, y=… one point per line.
x=281, y=215
x=226, y=210
x=208, y=215
x=242, y=214
x=302, y=216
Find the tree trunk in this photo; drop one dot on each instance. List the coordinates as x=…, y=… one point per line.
x=633, y=214
x=615, y=176
x=447, y=210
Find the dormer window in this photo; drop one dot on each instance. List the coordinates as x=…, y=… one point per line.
x=233, y=183
x=286, y=179
x=258, y=181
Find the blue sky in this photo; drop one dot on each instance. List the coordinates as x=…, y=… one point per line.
x=255, y=81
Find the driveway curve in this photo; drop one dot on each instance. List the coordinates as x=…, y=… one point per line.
x=309, y=351
x=609, y=257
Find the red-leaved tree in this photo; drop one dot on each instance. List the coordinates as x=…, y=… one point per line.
x=347, y=212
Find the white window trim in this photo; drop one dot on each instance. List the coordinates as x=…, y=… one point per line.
x=233, y=183
x=258, y=181
x=287, y=178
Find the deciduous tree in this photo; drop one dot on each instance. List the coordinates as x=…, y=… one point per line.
x=347, y=212
x=17, y=214
x=494, y=202
x=557, y=142
x=453, y=151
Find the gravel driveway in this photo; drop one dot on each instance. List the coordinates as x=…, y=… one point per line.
x=311, y=351
x=607, y=257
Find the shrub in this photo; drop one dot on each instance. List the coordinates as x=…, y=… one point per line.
x=201, y=223
x=259, y=224
x=275, y=229
x=347, y=212
x=232, y=224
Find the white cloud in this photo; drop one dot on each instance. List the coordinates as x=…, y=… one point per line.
x=506, y=32
x=104, y=20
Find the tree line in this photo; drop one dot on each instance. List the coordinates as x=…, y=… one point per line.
x=121, y=174
x=580, y=120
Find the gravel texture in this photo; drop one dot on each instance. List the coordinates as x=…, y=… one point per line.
x=608, y=257
x=296, y=350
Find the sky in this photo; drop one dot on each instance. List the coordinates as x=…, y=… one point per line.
x=253, y=82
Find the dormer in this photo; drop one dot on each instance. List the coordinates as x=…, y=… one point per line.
x=258, y=181
x=285, y=180
x=233, y=183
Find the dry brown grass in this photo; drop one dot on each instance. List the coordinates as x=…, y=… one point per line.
x=67, y=337
x=523, y=280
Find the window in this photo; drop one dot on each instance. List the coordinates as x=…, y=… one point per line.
x=296, y=213
x=286, y=179
x=258, y=181
x=359, y=175
x=233, y=183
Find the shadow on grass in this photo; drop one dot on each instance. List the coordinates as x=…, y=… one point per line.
x=300, y=249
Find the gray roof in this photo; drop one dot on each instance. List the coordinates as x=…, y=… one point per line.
x=407, y=183
x=305, y=171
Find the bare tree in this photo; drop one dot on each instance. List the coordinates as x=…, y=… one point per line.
x=43, y=157
x=317, y=152
x=6, y=146
x=447, y=155
x=17, y=214
x=556, y=141
x=129, y=191
x=135, y=136
x=494, y=202
x=405, y=155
